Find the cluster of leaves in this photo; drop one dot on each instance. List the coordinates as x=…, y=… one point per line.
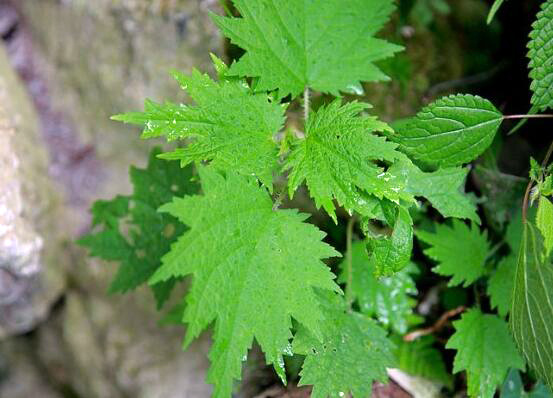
x=258, y=272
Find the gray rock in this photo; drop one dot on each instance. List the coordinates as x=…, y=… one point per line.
x=32, y=261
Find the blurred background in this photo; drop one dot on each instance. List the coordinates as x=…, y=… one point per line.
x=67, y=65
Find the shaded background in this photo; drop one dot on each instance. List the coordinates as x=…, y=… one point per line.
x=67, y=65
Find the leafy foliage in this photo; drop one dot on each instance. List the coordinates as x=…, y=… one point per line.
x=450, y=131
x=502, y=283
x=338, y=158
x=419, y=358
x=327, y=45
x=150, y=233
x=544, y=222
x=230, y=125
x=485, y=349
x=252, y=282
x=460, y=251
x=532, y=305
x=353, y=346
x=514, y=388
x=540, y=53
x=442, y=188
x=388, y=299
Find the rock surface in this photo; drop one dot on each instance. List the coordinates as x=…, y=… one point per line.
x=32, y=262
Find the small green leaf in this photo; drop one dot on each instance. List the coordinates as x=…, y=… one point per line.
x=459, y=250
x=502, y=283
x=132, y=231
x=532, y=306
x=493, y=10
x=443, y=188
x=390, y=300
x=391, y=254
x=353, y=352
x=544, y=222
x=253, y=269
x=419, y=358
x=450, y=131
x=540, y=53
x=327, y=45
x=338, y=159
x=485, y=349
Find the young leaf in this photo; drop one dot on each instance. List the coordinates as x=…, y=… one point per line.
x=443, y=188
x=337, y=159
x=392, y=253
x=230, y=126
x=450, y=131
x=485, y=349
x=541, y=70
x=419, y=358
x=327, y=45
x=388, y=299
x=149, y=233
x=493, y=10
x=459, y=250
x=532, y=305
x=502, y=283
x=544, y=222
x=253, y=270
x=354, y=348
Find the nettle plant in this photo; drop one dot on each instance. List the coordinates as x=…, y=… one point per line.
x=209, y=213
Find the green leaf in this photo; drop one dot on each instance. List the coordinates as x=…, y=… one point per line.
x=253, y=270
x=544, y=222
x=354, y=352
x=419, y=358
x=392, y=253
x=459, y=250
x=493, y=10
x=485, y=349
x=514, y=388
x=338, y=158
x=502, y=283
x=388, y=299
x=450, y=131
x=230, y=126
x=443, y=188
x=327, y=45
x=532, y=306
x=132, y=232
x=540, y=53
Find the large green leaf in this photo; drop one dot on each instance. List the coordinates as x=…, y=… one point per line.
x=328, y=45
x=338, y=159
x=485, y=349
x=531, y=317
x=540, y=54
x=253, y=269
x=450, y=131
x=230, y=126
x=353, y=352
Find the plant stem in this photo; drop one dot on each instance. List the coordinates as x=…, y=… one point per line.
x=540, y=116
x=349, y=233
x=306, y=104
